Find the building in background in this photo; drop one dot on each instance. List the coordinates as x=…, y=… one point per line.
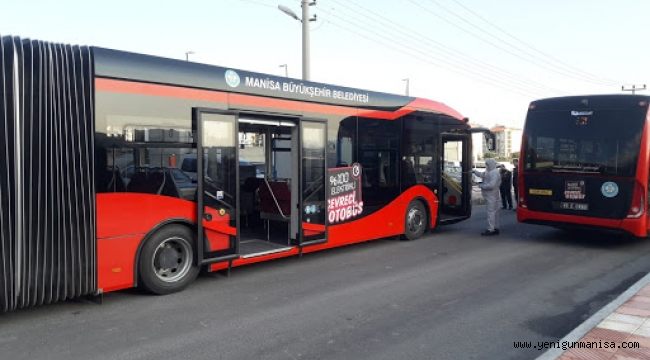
x=508, y=141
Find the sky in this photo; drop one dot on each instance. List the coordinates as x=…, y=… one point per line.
x=486, y=59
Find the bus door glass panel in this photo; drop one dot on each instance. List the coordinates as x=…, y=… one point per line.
x=218, y=174
x=281, y=158
x=313, y=187
x=455, y=186
x=419, y=146
x=252, y=167
x=378, y=155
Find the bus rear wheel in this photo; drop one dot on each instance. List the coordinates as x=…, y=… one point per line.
x=415, y=222
x=167, y=260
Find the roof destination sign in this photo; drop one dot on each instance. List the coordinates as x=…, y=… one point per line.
x=274, y=86
x=295, y=87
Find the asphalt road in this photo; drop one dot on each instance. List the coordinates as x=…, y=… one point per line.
x=450, y=295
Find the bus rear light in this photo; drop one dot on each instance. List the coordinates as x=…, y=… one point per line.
x=637, y=208
x=521, y=195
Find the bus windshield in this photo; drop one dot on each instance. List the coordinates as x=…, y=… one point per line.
x=595, y=141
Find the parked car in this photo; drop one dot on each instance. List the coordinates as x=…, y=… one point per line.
x=189, y=164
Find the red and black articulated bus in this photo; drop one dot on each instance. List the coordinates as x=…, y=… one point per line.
x=584, y=162
x=122, y=170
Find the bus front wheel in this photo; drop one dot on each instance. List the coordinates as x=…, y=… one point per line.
x=415, y=222
x=166, y=261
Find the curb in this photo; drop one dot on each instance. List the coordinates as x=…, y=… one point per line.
x=596, y=318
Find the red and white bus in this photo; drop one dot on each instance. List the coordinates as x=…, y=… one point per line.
x=584, y=162
x=122, y=170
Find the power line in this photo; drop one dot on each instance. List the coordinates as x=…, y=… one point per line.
x=424, y=57
x=490, y=75
x=496, y=45
x=418, y=54
x=550, y=63
x=451, y=57
x=443, y=50
x=262, y=3
x=531, y=47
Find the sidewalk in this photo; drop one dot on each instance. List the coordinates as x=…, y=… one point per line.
x=621, y=323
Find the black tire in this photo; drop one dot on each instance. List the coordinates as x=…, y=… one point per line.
x=415, y=220
x=167, y=260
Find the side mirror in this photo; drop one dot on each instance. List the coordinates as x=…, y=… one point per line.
x=490, y=141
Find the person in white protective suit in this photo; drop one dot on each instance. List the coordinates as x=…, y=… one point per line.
x=490, y=191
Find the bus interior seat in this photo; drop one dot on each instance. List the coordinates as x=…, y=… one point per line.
x=113, y=180
x=251, y=184
x=408, y=172
x=139, y=183
x=384, y=168
x=169, y=187
x=146, y=182
x=154, y=181
x=269, y=209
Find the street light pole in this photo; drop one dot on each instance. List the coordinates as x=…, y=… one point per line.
x=305, y=39
x=305, y=32
x=187, y=55
x=407, y=85
x=286, y=69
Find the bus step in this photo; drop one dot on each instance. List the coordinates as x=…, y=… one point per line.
x=256, y=247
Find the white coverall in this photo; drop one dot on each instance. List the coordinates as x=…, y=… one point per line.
x=490, y=191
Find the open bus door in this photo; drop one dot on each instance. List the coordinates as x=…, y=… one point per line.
x=455, y=186
x=311, y=224
x=217, y=185
x=220, y=236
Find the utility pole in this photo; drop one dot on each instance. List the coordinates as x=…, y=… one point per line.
x=305, y=36
x=305, y=31
x=407, y=85
x=633, y=89
x=286, y=69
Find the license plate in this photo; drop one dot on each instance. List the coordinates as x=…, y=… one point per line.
x=574, y=206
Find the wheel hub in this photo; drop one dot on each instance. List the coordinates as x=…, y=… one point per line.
x=414, y=220
x=168, y=258
x=172, y=259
